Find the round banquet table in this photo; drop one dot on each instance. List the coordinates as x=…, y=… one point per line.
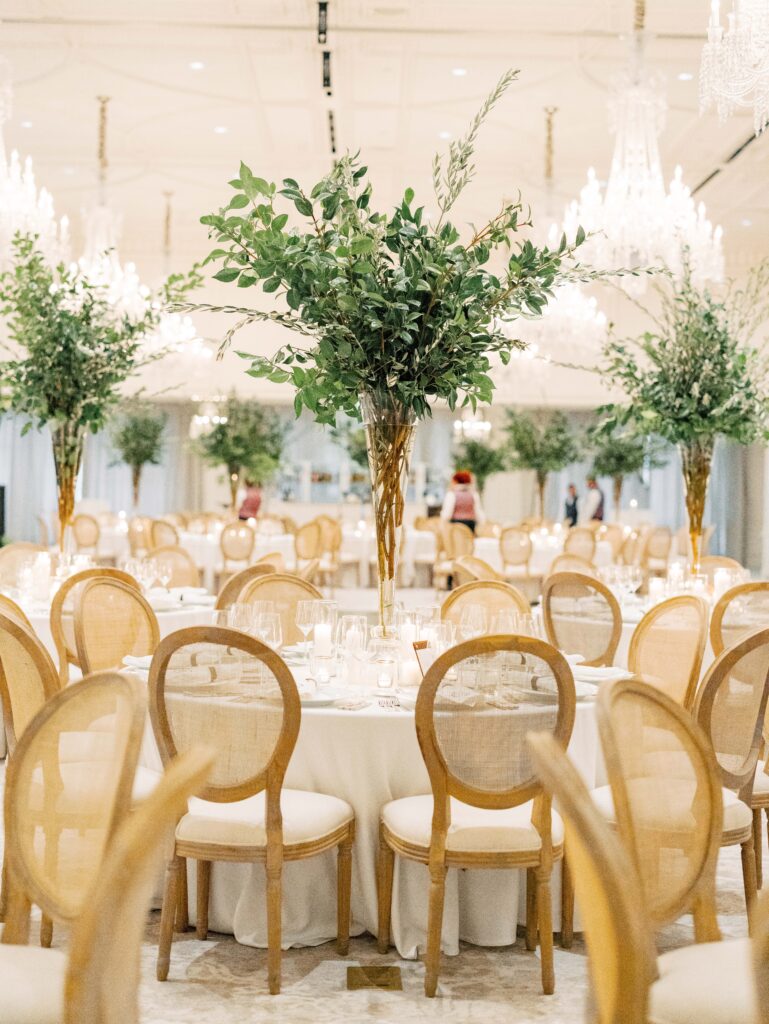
x=206, y=553
x=368, y=757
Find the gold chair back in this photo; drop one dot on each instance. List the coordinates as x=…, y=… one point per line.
x=308, y=571
x=515, y=546
x=460, y=540
x=572, y=563
x=62, y=618
x=14, y=557
x=580, y=541
x=657, y=546
x=307, y=541
x=667, y=801
x=112, y=620
x=582, y=616
x=86, y=531
x=614, y=535
x=230, y=592
x=469, y=568
x=184, y=572
x=9, y=607
x=68, y=785
x=488, y=529
x=330, y=536
x=273, y=558
x=494, y=595
x=668, y=644
x=737, y=613
x=710, y=563
x=237, y=542
x=28, y=676
x=163, y=534
x=139, y=536
x=286, y=591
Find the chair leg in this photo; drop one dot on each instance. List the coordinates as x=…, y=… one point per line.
x=274, y=868
x=203, y=888
x=545, y=916
x=749, y=877
x=174, y=870
x=384, y=884
x=182, y=897
x=343, y=893
x=531, y=909
x=434, y=928
x=567, y=904
x=4, y=890
x=757, y=848
x=46, y=932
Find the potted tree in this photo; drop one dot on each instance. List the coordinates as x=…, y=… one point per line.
x=137, y=437
x=545, y=443
x=481, y=459
x=620, y=453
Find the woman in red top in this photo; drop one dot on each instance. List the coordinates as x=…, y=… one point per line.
x=252, y=501
x=462, y=504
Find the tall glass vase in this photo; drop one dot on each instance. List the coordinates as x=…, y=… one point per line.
x=68, y=443
x=696, y=459
x=389, y=440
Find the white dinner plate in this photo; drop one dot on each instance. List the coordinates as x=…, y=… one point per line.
x=321, y=699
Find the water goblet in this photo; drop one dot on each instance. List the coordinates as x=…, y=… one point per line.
x=473, y=622
x=241, y=617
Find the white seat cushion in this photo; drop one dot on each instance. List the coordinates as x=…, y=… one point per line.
x=708, y=983
x=31, y=985
x=516, y=572
x=679, y=793
x=472, y=828
x=306, y=817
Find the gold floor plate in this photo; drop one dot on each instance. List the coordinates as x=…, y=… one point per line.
x=374, y=977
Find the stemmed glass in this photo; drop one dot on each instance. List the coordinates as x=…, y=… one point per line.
x=473, y=622
x=305, y=621
x=241, y=617
x=147, y=573
x=165, y=573
x=267, y=627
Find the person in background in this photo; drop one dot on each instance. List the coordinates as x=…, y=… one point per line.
x=462, y=504
x=593, y=501
x=252, y=501
x=570, y=507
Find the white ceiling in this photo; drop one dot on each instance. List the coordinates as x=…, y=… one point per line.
x=394, y=93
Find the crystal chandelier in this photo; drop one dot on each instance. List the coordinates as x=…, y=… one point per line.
x=207, y=416
x=472, y=426
x=23, y=209
x=735, y=64
x=635, y=222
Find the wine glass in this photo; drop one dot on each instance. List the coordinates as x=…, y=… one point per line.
x=351, y=632
x=241, y=617
x=305, y=621
x=505, y=623
x=165, y=573
x=473, y=622
x=268, y=629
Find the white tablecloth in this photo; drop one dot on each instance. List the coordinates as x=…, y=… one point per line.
x=367, y=758
x=207, y=554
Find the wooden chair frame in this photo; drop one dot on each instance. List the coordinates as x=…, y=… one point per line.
x=270, y=781
x=585, y=566
x=231, y=590
x=251, y=591
x=580, y=579
x=577, y=533
x=721, y=606
x=157, y=527
x=66, y=656
x=476, y=569
x=176, y=550
x=650, y=618
x=524, y=608
x=9, y=607
x=43, y=663
x=133, y=592
x=445, y=785
x=236, y=524
x=93, y=522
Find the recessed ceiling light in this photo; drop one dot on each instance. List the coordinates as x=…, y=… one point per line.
x=746, y=222
x=221, y=129
x=459, y=72
x=26, y=124
x=196, y=65
x=685, y=76
x=444, y=135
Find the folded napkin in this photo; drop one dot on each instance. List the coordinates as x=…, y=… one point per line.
x=460, y=695
x=142, y=662
x=599, y=673
x=581, y=687
x=184, y=592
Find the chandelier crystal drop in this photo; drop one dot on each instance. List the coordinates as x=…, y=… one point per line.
x=635, y=221
x=734, y=71
x=471, y=426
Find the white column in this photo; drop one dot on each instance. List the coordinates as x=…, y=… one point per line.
x=305, y=482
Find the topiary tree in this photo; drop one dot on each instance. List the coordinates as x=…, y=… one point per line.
x=248, y=442
x=480, y=458
x=618, y=453
x=545, y=443
x=137, y=437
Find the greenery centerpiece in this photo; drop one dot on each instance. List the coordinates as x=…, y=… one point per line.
x=481, y=459
x=618, y=453
x=247, y=441
x=137, y=437
x=545, y=443
x=74, y=342
x=695, y=377
x=393, y=310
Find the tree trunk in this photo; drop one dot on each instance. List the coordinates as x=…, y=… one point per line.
x=541, y=481
x=136, y=476
x=618, y=481
x=234, y=484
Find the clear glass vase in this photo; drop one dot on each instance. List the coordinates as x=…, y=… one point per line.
x=68, y=444
x=696, y=460
x=390, y=430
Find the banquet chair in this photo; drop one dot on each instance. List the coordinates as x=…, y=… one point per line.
x=630, y=553
x=244, y=814
x=515, y=550
x=230, y=592
x=710, y=563
x=236, y=542
x=309, y=571
x=177, y=519
x=709, y=982
x=739, y=611
x=44, y=531
x=112, y=620
x=273, y=558
x=581, y=616
x=286, y=590
x=580, y=541
x=28, y=676
x=14, y=557
x=572, y=563
x=307, y=543
x=656, y=551
x=9, y=607
x=67, y=786
x=86, y=532
x=487, y=809
x=668, y=645
x=139, y=536
x=62, y=617
x=270, y=522
x=163, y=535
x=330, y=546
x=461, y=539
x=97, y=981
x=468, y=568
x=488, y=529
x=289, y=525
x=184, y=572
x=614, y=535
x=494, y=595
x=731, y=706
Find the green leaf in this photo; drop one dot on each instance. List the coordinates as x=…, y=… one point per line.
x=304, y=206
x=280, y=222
x=227, y=274
x=362, y=244
x=271, y=285
x=238, y=202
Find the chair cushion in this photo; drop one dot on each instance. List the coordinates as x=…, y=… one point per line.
x=737, y=815
x=708, y=983
x=760, y=786
x=31, y=985
x=472, y=829
x=516, y=572
x=306, y=817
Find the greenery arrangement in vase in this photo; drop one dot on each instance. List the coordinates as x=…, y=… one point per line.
x=137, y=437
x=73, y=344
x=394, y=311
x=247, y=442
x=481, y=459
x=619, y=453
x=695, y=377
x=545, y=443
